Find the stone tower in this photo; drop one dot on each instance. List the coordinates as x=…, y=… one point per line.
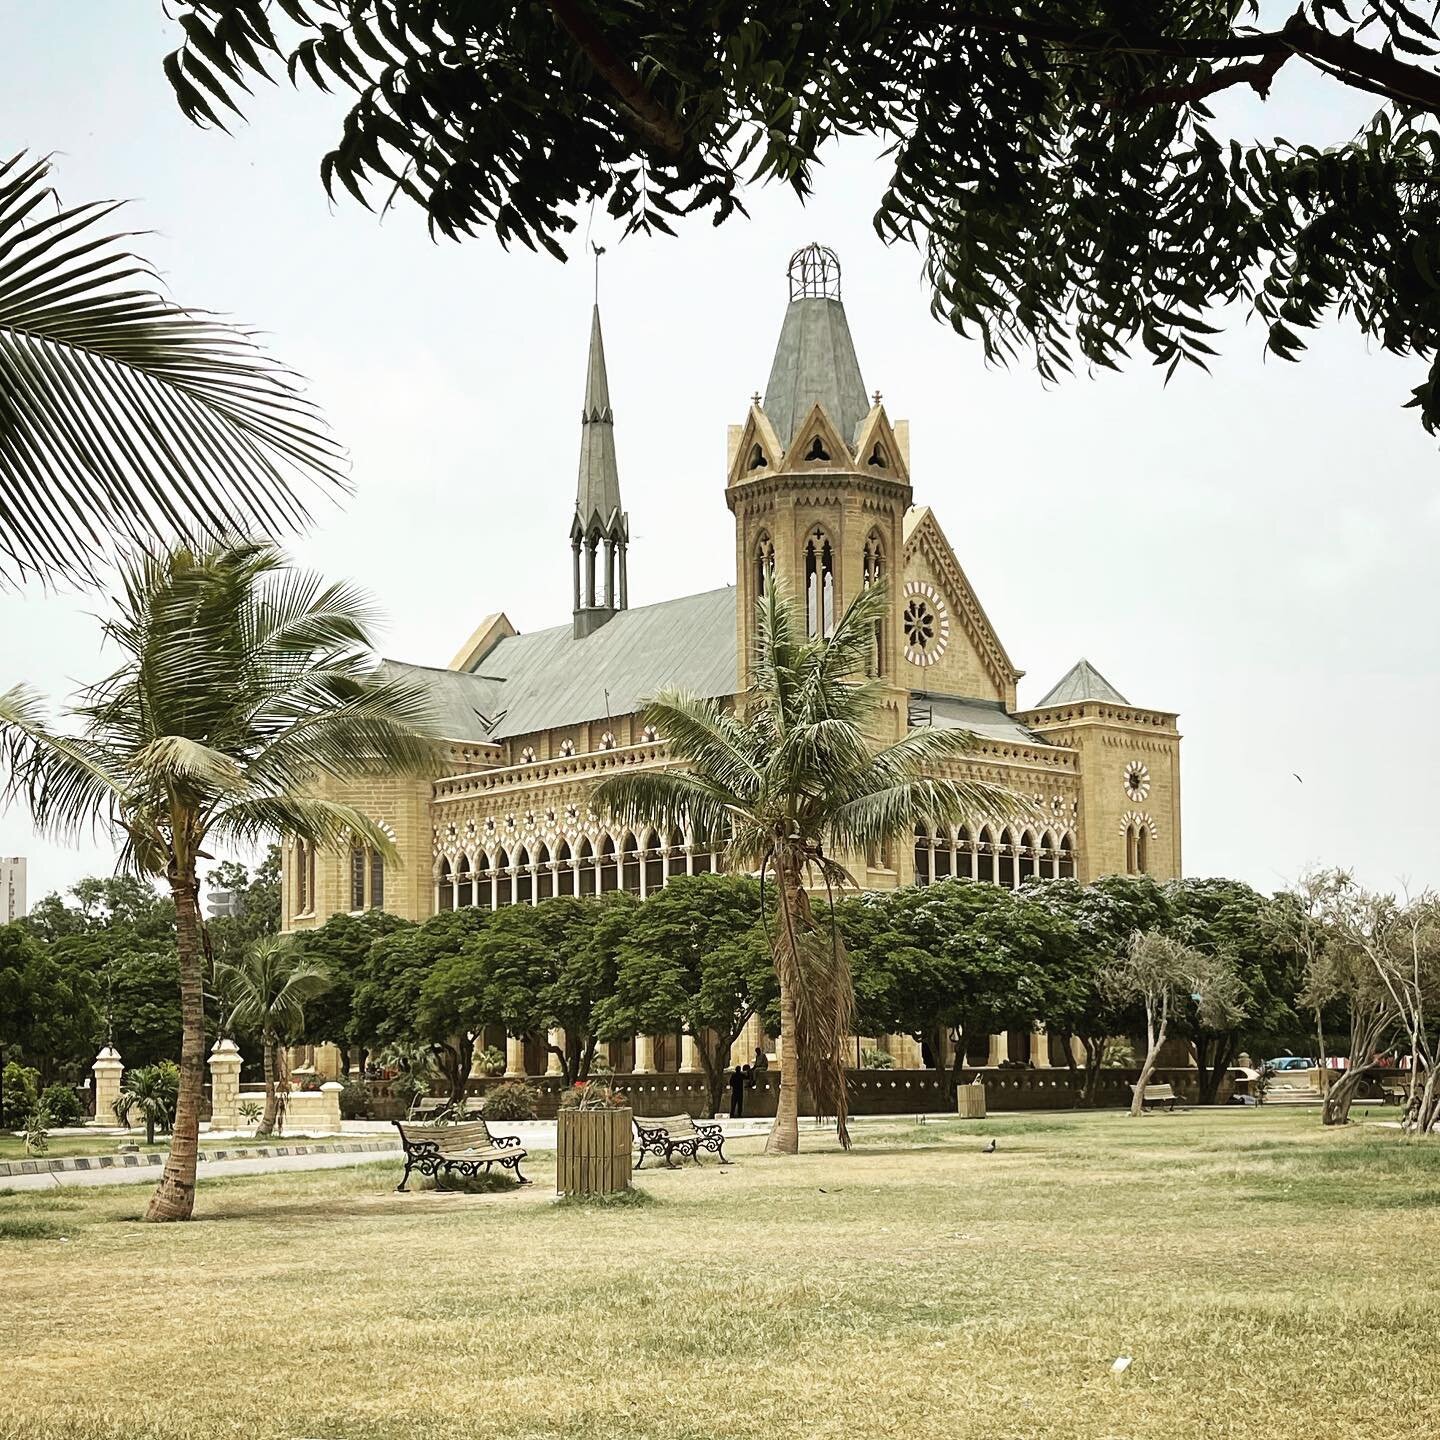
x=818, y=480
x=600, y=531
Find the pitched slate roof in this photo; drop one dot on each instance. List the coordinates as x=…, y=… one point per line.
x=815, y=361
x=549, y=678
x=1082, y=682
x=987, y=718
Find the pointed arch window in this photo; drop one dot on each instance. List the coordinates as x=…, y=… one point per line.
x=872, y=573
x=817, y=451
x=586, y=867
x=564, y=869
x=764, y=563
x=484, y=882
x=444, y=888
x=464, y=884
x=819, y=585
x=878, y=457
x=757, y=459
x=377, y=880
x=357, y=877
x=304, y=878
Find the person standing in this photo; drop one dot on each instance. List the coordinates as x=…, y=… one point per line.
x=737, y=1093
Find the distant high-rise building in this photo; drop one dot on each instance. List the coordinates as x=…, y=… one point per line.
x=12, y=888
x=226, y=904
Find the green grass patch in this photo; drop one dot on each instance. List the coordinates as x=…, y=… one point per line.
x=631, y=1199
x=1265, y=1275
x=28, y=1227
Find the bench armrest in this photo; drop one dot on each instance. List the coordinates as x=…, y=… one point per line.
x=504, y=1142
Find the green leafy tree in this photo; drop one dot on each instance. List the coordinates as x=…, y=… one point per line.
x=1104, y=915
x=124, y=416
x=1164, y=974
x=341, y=946
x=792, y=781
x=694, y=957
x=532, y=969
x=243, y=686
x=957, y=958
x=387, y=1011
x=259, y=896
x=1056, y=161
x=49, y=1017
x=1228, y=918
x=267, y=992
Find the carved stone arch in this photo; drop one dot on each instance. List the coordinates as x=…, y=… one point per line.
x=820, y=559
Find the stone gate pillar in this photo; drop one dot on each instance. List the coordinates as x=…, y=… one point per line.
x=108, y=1071
x=689, y=1054
x=556, y=1037
x=644, y=1055
x=225, y=1085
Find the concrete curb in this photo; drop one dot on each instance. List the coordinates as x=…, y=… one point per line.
x=156, y=1158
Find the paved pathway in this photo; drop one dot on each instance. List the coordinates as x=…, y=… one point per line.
x=535, y=1135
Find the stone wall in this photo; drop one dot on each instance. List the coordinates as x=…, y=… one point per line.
x=881, y=1092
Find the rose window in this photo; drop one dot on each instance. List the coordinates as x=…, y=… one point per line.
x=924, y=623
x=1137, y=780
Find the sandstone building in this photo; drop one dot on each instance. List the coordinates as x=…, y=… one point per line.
x=817, y=479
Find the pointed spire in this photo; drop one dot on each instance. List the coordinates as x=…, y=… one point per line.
x=1082, y=682
x=815, y=359
x=597, y=495
x=600, y=528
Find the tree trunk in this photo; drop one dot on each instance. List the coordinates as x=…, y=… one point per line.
x=1095, y=1047
x=1222, y=1055
x=1154, y=1040
x=174, y=1197
x=1340, y=1093
x=785, y=1132
x=149, y=1127
x=268, y=1048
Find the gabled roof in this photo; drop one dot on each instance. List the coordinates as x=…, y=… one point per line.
x=1082, y=682
x=815, y=363
x=986, y=718
x=550, y=678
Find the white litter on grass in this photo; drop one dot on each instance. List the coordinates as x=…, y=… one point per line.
x=1121, y=1365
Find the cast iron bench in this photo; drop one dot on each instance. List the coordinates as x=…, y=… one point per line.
x=463, y=1148
x=669, y=1135
x=1158, y=1095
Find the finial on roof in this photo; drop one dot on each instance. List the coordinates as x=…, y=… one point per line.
x=814, y=273
x=876, y=397
x=755, y=398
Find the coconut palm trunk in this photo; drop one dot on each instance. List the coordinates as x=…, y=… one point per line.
x=174, y=1197
x=785, y=1132
x=271, y=1061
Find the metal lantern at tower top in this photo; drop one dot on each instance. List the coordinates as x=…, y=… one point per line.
x=814, y=273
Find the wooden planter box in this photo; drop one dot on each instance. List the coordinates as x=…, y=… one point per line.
x=970, y=1102
x=594, y=1154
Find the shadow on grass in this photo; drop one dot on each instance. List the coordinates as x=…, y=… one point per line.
x=616, y=1200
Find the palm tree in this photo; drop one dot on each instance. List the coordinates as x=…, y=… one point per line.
x=124, y=415
x=793, y=779
x=244, y=687
x=152, y=1090
x=267, y=991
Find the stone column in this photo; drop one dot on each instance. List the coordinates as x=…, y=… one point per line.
x=514, y=1057
x=107, y=1070
x=999, y=1049
x=689, y=1054
x=644, y=1054
x=1040, y=1048
x=224, y=1085
x=330, y=1121
x=1077, y=1049
x=555, y=1037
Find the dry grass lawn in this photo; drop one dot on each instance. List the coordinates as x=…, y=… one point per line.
x=1268, y=1278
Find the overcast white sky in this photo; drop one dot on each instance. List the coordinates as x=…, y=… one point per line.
x=1253, y=549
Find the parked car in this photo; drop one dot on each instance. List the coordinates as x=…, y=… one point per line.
x=1290, y=1062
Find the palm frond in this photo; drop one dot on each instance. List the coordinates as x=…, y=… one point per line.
x=307, y=817
x=122, y=414
x=68, y=783
x=667, y=799
x=707, y=737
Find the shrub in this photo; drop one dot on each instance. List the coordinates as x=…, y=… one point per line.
x=21, y=1085
x=150, y=1091
x=37, y=1131
x=514, y=1100
x=64, y=1105
x=405, y=1088
x=872, y=1059
x=593, y=1095
x=355, y=1100
x=250, y=1111
x=490, y=1061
